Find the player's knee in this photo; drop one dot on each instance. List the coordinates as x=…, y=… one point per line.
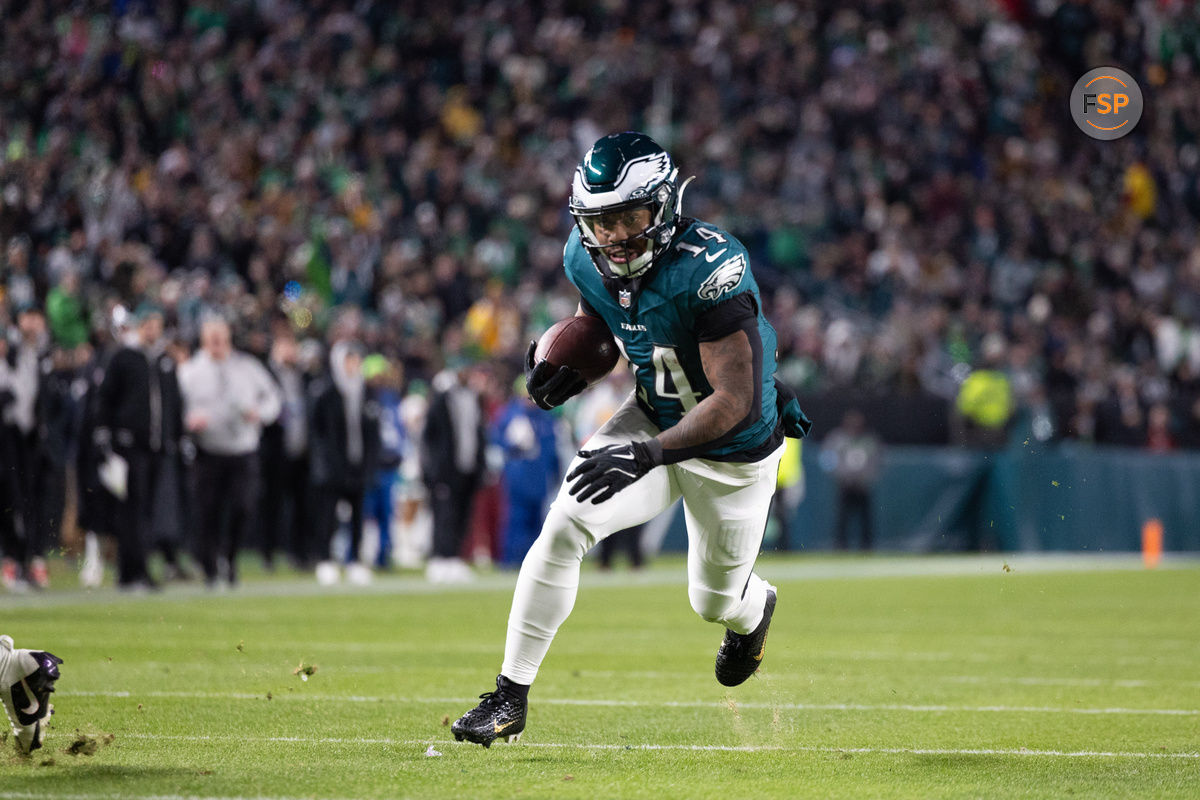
x=564, y=537
x=711, y=606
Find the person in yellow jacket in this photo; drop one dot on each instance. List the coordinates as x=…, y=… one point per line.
x=789, y=493
x=985, y=403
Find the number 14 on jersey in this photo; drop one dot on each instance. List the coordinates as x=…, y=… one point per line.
x=670, y=381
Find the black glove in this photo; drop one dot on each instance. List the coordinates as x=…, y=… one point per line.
x=610, y=469
x=547, y=386
x=795, y=424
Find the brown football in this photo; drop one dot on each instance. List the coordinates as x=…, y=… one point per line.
x=583, y=343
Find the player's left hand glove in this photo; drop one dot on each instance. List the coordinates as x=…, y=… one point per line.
x=610, y=469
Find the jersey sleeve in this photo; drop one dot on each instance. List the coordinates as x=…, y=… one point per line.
x=732, y=314
x=719, y=268
x=587, y=307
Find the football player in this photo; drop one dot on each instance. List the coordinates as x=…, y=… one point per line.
x=26, y=680
x=706, y=421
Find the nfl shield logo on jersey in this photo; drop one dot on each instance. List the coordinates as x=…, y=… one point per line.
x=625, y=297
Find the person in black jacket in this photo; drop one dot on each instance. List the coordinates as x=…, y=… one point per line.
x=95, y=508
x=57, y=410
x=283, y=458
x=140, y=417
x=344, y=451
x=453, y=452
x=23, y=451
x=11, y=530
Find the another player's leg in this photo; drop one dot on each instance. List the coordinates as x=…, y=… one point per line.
x=549, y=578
x=726, y=508
x=26, y=680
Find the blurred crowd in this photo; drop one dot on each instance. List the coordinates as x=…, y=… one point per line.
x=924, y=217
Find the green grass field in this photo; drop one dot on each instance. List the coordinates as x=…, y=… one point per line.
x=885, y=677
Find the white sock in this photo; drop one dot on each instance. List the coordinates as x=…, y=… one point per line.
x=545, y=594
x=749, y=612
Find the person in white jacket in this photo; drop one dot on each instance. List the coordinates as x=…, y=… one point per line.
x=228, y=397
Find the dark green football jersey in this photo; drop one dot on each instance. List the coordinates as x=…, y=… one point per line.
x=658, y=332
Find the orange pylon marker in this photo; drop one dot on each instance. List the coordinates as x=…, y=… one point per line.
x=1152, y=542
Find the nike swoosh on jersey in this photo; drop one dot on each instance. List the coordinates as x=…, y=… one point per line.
x=711, y=257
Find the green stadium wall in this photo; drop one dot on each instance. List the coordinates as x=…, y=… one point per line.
x=1062, y=498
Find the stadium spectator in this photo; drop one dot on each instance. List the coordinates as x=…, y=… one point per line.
x=228, y=397
x=1159, y=436
x=985, y=404
x=95, y=505
x=453, y=452
x=283, y=452
x=1121, y=418
x=855, y=456
x=527, y=440
x=24, y=555
x=11, y=528
x=139, y=417
x=789, y=494
x=66, y=312
x=384, y=385
x=344, y=459
x=413, y=535
x=56, y=415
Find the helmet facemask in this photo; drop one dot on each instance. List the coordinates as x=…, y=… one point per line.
x=651, y=224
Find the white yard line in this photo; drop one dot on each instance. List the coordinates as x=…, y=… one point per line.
x=1021, y=751
x=811, y=677
x=563, y=701
x=1036, y=680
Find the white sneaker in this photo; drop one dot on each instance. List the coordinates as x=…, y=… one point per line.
x=358, y=574
x=328, y=573
x=436, y=570
x=10, y=577
x=448, y=570
x=26, y=680
x=460, y=571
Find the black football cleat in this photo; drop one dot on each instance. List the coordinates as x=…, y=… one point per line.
x=500, y=715
x=741, y=653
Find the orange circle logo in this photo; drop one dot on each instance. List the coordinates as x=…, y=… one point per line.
x=1106, y=103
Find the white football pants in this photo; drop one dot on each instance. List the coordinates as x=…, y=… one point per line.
x=725, y=507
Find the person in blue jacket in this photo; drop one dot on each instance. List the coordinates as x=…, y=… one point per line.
x=525, y=435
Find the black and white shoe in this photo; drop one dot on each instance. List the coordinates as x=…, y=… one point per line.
x=742, y=653
x=26, y=680
x=499, y=715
